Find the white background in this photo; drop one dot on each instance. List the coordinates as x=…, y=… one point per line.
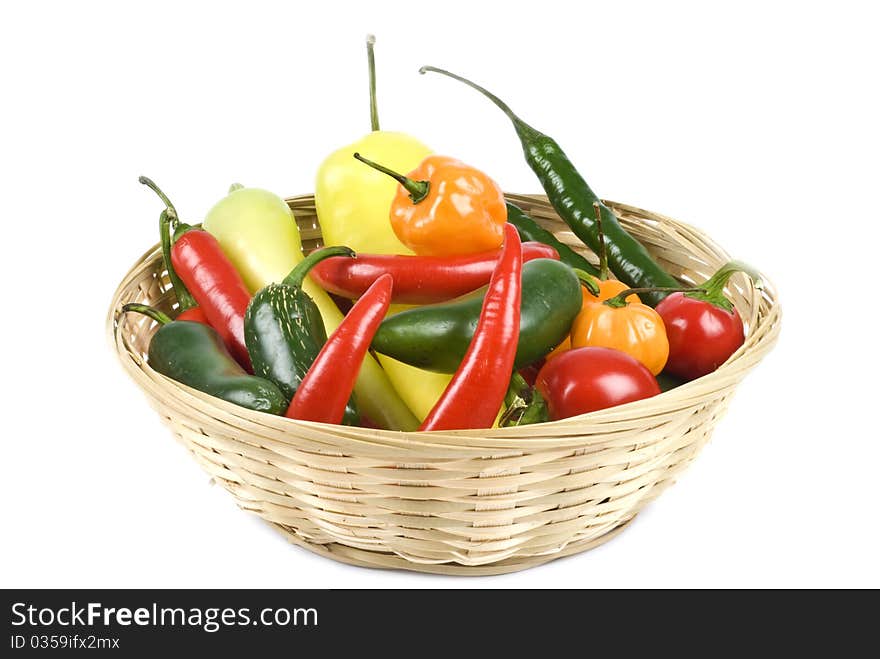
x=757, y=123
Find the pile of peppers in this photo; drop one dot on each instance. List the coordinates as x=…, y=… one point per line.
x=437, y=304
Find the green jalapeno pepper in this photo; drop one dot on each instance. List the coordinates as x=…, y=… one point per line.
x=284, y=331
x=193, y=354
x=436, y=337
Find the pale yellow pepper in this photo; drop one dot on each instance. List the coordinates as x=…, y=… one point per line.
x=258, y=233
x=353, y=202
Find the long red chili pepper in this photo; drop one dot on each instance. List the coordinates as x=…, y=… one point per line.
x=216, y=286
x=417, y=279
x=326, y=387
x=193, y=314
x=475, y=393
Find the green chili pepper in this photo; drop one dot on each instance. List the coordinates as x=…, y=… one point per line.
x=528, y=229
x=284, y=331
x=573, y=200
x=436, y=337
x=194, y=354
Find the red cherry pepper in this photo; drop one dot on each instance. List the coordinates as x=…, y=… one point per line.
x=585, y=380
x=417, y=279
x=216, y=286
x=703, y=328
x=475, y=393
x=326, y=387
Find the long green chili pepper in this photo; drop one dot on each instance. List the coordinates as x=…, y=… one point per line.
x=529, y=230
x=573, y=200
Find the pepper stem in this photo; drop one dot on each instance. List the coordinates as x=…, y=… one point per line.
x=521, y=126
x=371, y=65
x=150, y=312
x=172, y=211
x=298, y=274
x=234, y=187
x=600, y=237
x=713, y=288
x=418, y=190
x=170, y=222
x=524, y=404
x=619, y=300
x=587, y=281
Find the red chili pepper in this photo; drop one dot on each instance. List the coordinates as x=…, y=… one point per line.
x=703, y=328
x=193, y=314
x=417, y=279
x=326, y=387
x=216, y=286
x=475, y=393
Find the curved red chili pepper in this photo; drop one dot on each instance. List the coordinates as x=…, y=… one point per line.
x=417, y=279
x=217, y=287
x=475, y=393
x=326, y=387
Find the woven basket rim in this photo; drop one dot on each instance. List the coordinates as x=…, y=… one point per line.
x=516, y=438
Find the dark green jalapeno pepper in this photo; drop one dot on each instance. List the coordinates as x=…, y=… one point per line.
x=573, y=200
x=194, y=354
x=284, y=332
x=436, y=337
x=528, y=229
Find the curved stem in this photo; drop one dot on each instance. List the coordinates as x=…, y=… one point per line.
x=505, y=108
x=603, y=252
x=587, y=281
x=619, y=300
x=298, y=274
x=713, y=288
x=172, y=211
x=418, y=190
x=371, y=64
x=150, y=312
x=184, y=297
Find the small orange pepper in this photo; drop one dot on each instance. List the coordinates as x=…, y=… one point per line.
x=633, y=328
x=444, y=208
x=608, y=288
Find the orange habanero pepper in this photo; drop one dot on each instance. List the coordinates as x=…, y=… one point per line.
x=445, y=208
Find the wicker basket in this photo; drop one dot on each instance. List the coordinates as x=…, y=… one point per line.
x=466, y=502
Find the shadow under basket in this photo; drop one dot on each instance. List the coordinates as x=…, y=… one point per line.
x=474, y=502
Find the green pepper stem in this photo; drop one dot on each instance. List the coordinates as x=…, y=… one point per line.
x=170, y=222
x=713, y=288
x=600, y=238
x=298, y=274
x=418, y=190
x=371, y=65
x=619, y=300
x=522, y=128
x=172, y=211
x=150, y=312
x=587, y=281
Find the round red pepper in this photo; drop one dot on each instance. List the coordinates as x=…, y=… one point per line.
x=703, y=328
x=585, y=380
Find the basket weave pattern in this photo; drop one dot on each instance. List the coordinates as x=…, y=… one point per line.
x=465, y=502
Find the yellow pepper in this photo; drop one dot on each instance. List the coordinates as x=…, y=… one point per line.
x=353, y=204
x=258, y=233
